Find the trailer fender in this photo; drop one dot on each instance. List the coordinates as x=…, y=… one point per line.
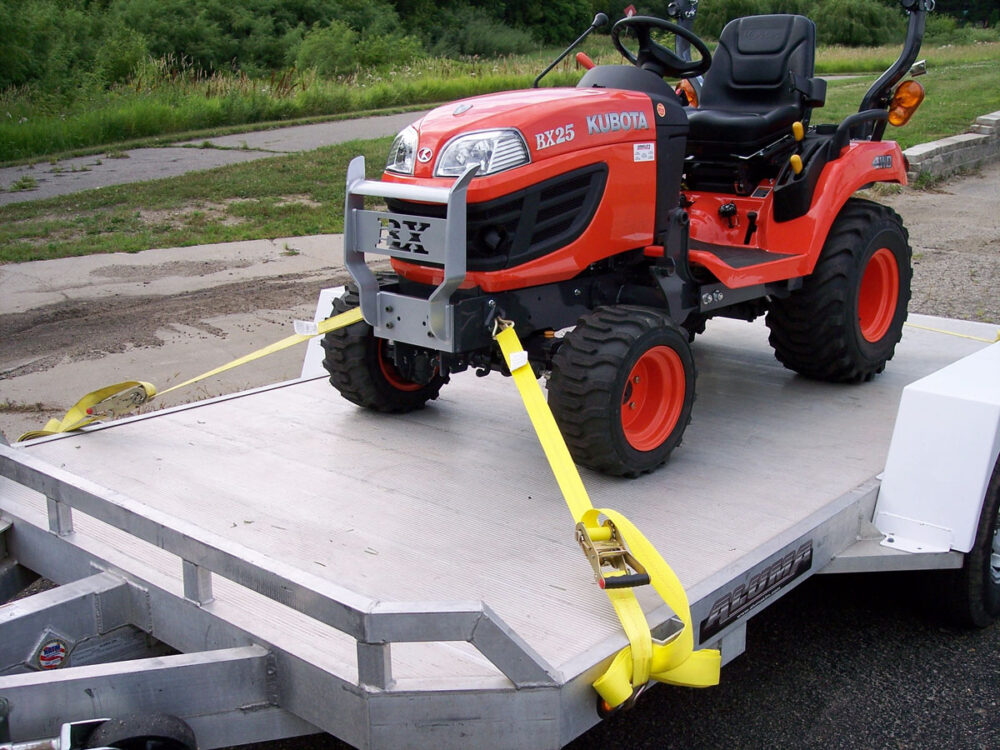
x=944, y=446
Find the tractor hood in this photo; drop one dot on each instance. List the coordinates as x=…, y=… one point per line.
x=552, y=122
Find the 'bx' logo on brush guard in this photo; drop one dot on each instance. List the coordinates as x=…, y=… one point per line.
x=402, y=235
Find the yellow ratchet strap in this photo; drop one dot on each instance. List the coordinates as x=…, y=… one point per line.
x=115, y=400
x=673, y=661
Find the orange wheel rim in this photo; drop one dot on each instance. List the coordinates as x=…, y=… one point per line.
x=879, y=295
x=653, y=398
x=391, y=374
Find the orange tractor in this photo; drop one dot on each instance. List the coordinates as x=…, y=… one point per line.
x=608, y=222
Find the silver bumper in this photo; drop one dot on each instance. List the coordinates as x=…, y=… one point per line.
x=411, y=320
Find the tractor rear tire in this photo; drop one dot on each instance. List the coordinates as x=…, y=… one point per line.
x=844, y=323
x=361, y=368
x=622, y=389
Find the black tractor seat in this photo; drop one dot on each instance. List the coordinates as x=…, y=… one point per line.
x=720, y=131
x=760, y=82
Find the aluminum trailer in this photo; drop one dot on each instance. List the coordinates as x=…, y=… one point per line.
x=279, y=562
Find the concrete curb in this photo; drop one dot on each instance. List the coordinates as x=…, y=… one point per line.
x=949, y=155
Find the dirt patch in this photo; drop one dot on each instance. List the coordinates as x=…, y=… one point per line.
x=165, y=270
x=178, y=218
x=297, y=200
x=40, y=339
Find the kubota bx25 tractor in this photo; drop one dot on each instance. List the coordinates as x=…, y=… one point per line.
x=609, y=221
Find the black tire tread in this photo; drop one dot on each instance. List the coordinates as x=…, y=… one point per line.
x=584, y=370
x=350, y=362
x=967, y=596
x=811, y=330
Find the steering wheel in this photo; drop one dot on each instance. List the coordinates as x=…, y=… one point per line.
x=653, y=56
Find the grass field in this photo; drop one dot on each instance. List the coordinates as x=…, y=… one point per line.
x=161, y=102
x=303, y=193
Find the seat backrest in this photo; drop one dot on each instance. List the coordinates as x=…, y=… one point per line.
x=762, y=62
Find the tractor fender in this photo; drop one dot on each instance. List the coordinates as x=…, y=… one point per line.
x=860, y=163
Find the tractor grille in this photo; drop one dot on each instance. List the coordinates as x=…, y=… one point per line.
x=525, y=225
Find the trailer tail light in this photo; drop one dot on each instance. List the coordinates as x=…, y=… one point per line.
x=905, y=101
x=687, y=93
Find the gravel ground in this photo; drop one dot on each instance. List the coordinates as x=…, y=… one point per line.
x=955, y=234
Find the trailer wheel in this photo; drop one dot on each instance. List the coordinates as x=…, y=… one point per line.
x=622, y=388
x=152, y=732
x=844, y=323
x=361, y=367
x=970, y=595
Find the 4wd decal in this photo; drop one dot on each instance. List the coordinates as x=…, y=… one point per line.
x=562, y=134
x=597, y=124
x=882, y=162
x=731, y=606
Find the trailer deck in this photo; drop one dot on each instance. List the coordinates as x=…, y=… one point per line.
x=282, y=539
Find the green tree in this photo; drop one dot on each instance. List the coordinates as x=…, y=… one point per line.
x=15, y=47
x=178, y=28
x=330, y=49
x=552, y=21
x=46, y=41
x=120, y=52
x=466, y=30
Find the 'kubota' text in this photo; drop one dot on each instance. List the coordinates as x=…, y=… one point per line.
x=612, y=121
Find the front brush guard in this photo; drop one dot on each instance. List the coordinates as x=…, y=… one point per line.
x=412, y=320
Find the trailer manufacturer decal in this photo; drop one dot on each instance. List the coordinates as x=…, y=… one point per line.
x=731, y=606
x=392, y=232
x=598, y=124
x=562, y=134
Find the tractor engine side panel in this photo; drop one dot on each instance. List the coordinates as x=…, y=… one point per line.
x=623, y=220
x=604, y=173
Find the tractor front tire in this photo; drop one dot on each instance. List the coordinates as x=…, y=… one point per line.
x=844, y=323
x=622, y=389
x=362, y=369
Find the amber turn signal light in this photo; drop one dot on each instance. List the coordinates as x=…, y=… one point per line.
x=905, y=101
x=685, y=90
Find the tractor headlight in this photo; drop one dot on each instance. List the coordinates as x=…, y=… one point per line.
x=402, y=152
x=493, y=150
